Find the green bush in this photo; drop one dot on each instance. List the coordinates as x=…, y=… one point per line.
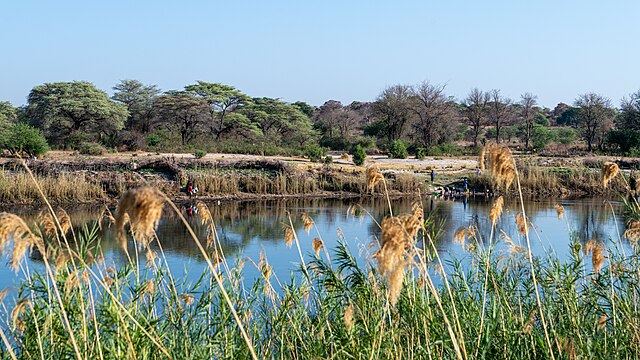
x=359, y=155
x=421, y=153
x=22, y=138
x=91, y=148
x=153, y=139
x=540, y=137
x=314, y=153
x=445, y=149
x=199, y=154
x=624, y=140
x=398, y=150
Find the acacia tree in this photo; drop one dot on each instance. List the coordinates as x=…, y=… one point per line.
x=393, y=110
x=435, y=115
x=499, y=111
x=476, y=106
x=528, y=102
x=223, y=100
x=279, y=122
x=7, y=112
x=594, y=116
x=64, y=109
x=138, y=98
x=182, y=112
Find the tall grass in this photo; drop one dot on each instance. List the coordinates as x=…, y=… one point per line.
x=19, y=187
x=494, y=304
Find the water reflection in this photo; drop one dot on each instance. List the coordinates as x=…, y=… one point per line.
x=246, y=228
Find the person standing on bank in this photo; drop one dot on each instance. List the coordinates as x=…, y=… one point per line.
x=433, y=175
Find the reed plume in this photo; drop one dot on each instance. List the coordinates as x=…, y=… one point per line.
x=317, y=245
x=348, y=317
x=513, y=248
x=264, y=266
x=609, y=171
x=483, y=153
x=559, y=210
x=602, y=322
x=204, y=213
x=13, y=227
x=17, y=311
x=187, y=299
x=288, y=235
x=47, y=223
x=373, y=177
x=142, y=209
x=501, y=164
x=632, y=233
x=597, y=257
x=308, y=222
x=496, y=210
x=521, y=222
x=148, y=288
x=589, y=246
x=460, y=236
x=64, y=219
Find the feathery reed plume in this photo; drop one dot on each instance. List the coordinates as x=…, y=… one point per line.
x=602, y=322
x=521, y=221
x=513, y=247
x=588, y=246
x=3, y=294
x=528, y=326
x=496, y=210
x=142, y=208
x=317, y=245
x=501, y=163
x=13, y=227
x=188, y=299
x=373, y=177
x=62, y=259
x=609, y=171
x=288, y=235
x=597, y=257
x=72, y=282
x=149, y=288
x=632, y=233
x=204, y=213
x=483, y=153
x=559, y=210
x=397, y=235
x=151, y=257
x=46, y=223
x=17, y=311
x=64, y=219
x=308, y=222
x=348, y=317
x=264, y=266
x=460, y=236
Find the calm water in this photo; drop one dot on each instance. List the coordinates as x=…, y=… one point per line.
x=247, y=228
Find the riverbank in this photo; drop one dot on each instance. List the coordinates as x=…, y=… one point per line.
x=68, y=179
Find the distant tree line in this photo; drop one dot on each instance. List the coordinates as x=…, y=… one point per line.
x=420, y=118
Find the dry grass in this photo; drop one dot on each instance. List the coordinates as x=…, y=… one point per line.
x=19, y=188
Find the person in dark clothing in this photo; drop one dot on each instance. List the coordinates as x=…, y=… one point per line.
x=433, y=175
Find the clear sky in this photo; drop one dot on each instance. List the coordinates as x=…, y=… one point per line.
x=319, y=50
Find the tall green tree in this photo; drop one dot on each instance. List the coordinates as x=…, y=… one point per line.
x=7, y=112
x=182, y=112
x=629, y=118
x=138, y=98
x=280, y=122
x=223, y=101
x=64, y=109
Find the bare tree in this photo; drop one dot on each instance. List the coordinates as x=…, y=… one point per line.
x=528, y=102
x=499, y=111
x=630, y=112
x=595, y=117
x=327, y=116
x=434, y=114
x=476, y=105
x=393, y=110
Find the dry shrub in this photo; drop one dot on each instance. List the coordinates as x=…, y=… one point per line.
x=142, y=209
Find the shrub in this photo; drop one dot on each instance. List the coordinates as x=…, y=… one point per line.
x=314, y=153
x=22, y=138
x=199, y=154
x=397, y=150
x=421, y=153
x=328, y=159
x=565, y=136
x=91, y=148
x=624, y=140
x=540, y=137
x=359, y=155
x=153, y=139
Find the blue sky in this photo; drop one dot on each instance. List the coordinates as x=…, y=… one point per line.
x=321, y=50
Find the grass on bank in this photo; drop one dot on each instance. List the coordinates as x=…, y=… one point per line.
x=399, y=301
